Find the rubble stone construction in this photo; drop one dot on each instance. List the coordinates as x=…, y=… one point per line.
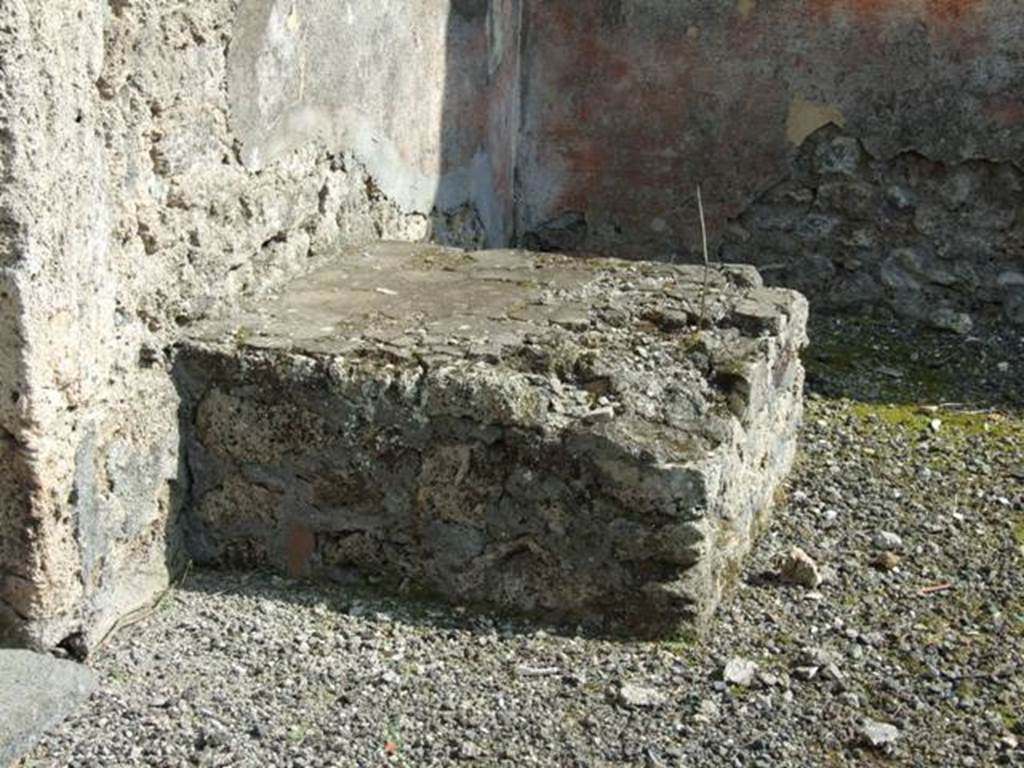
x=168, y=170
x=544, y=432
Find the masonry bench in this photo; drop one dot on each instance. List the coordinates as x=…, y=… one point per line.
x=584, y=439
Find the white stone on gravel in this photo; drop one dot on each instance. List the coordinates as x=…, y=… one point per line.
x=708, y=711
x=526, y=671
x=770, y=680
x=818, y=657
x=640, y=697
x=805, y=673
x=833, y=673
x=877, y=734
x=740, y=671
x=470, y=751
x=887, y=541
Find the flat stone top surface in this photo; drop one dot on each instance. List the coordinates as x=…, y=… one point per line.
x=423, y=300
x=539, y=341
x=36, y=693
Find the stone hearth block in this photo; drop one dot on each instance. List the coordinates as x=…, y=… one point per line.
x=547, y=434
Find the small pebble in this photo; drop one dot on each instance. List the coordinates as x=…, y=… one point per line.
x=640, y=697
x=887, y=541
x=800, y=569
x=740, y=671
x=886, y=561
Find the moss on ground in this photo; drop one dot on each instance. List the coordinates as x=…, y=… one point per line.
x=871, y=361
x=1018, y=531
x=993, y=425
x=838, y=352
x=682, y=643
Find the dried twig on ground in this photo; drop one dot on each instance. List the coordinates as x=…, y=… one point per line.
x=934, y=589
x=707, y=261
x=140, y=614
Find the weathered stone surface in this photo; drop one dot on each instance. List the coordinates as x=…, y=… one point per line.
x=544, y=433
x=36, y=693
x=128, y=209
x=930, y=241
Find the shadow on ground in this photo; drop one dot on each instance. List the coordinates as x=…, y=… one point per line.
x=884, y=363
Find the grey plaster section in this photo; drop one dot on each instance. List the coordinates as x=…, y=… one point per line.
x=36, y=693
x=305, y=69
x=404, y=86
x=538, y=432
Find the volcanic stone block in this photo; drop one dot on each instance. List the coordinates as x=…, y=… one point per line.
x=580, y=438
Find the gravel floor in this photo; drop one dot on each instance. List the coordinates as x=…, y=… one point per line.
x=909, y=495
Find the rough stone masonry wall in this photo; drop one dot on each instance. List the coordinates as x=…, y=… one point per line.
x=931, y=241
x=869, y=152
x=131, y=204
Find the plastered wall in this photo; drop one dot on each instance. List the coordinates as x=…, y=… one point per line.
x=868, y=153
